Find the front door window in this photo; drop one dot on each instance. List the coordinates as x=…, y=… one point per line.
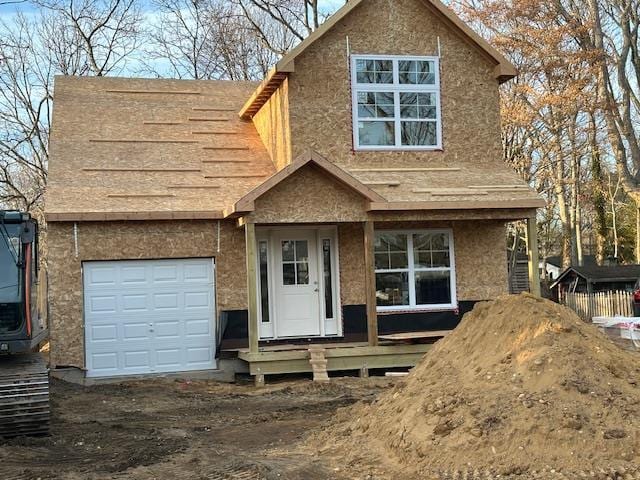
x=295, y=262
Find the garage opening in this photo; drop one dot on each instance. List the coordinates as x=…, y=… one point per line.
x=149, y=316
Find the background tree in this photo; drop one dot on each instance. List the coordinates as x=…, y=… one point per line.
x=205, y=39
x=77, y=38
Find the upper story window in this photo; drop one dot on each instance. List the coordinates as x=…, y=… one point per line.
x=396, y=103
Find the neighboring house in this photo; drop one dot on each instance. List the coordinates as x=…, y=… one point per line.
x=595, y=278
x=358, y=191
x=552, y=267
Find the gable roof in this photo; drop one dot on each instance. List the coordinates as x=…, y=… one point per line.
x=247, y=203
x=124, y=149
x=556, y=260
x=155, y=149
x=504, y=69
x=602, y=273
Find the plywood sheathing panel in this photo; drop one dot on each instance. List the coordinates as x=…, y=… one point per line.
x=469, y=182
x=320, y=99
x=351, y=242
x=272, y=124
x=309, y=195
x=102, y=125
x=481, y=259
x=133, y=240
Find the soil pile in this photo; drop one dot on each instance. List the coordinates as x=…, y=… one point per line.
x=520, y=386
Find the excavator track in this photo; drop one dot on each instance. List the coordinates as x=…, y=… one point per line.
x=24, y=395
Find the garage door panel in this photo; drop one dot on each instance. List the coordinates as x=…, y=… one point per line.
x=137, y=359
x=135, y=331
x=168, y=329
x=103, y=304
x=197, y=327
x=149, y=316
x=164, y=274
x=169, y=357
x=102, y=362
x=134, y=276
x=102, y=276
x=199, y=355
x=103, y=333
x=195, y=300
x=196, y=273
x=166, y=301
x=134, y=303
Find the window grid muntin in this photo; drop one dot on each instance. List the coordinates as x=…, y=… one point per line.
x=296, y=262
x=397, y=88
x=411, y=270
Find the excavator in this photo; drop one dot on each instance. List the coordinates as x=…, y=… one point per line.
x=24, y=376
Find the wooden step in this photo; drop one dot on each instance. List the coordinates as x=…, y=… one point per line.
x=318, y=363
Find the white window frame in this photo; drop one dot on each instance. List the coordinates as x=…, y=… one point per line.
x=412, y=270
x=396, y=88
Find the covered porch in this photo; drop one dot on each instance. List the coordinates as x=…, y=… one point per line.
x=356, y=337
x=339, y=277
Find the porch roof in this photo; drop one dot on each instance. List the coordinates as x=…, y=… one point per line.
x=247, y=203
x=387, y=188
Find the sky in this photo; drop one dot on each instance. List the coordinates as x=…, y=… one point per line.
x=9, y=9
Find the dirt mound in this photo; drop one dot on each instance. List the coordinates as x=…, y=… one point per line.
x=520, y=386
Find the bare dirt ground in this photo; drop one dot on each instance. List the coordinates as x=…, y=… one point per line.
x=164, y=429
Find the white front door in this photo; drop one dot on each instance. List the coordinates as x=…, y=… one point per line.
x=296, y=283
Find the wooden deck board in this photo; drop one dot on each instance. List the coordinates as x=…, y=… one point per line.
x=416, y=335
x=353, y=356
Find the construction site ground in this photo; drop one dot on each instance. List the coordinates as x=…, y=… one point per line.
x=166, y=429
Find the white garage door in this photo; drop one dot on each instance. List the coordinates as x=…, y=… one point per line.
x=149, y=316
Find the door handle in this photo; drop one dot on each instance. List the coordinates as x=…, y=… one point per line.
x=316, y=290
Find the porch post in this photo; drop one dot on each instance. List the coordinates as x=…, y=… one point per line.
x=533, y=257
x=252, y=288
x=370, y=284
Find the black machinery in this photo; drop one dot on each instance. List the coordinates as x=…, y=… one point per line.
x=24, y=376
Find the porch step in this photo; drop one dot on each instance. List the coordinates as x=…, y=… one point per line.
x=318, y=363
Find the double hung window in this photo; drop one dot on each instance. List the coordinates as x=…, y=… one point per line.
x=396, y=103
x=414, y=270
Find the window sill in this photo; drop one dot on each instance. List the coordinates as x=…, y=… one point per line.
x=398, y=149
x=394, y=310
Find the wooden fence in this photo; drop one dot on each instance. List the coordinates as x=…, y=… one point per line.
x=600, y=304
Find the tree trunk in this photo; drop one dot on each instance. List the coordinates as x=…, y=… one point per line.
x=598, y=188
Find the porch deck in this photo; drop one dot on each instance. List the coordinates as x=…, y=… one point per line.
x=292, y=358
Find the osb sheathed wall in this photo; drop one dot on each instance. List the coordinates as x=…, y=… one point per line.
x=127, y=241
x=351, y=256
x=272, y=124
x=310, y=195
x=480, y=258
x=320, y=92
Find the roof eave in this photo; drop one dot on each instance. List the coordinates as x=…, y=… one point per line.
x=528, y=204
x=263, y=93
x=140, y=216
